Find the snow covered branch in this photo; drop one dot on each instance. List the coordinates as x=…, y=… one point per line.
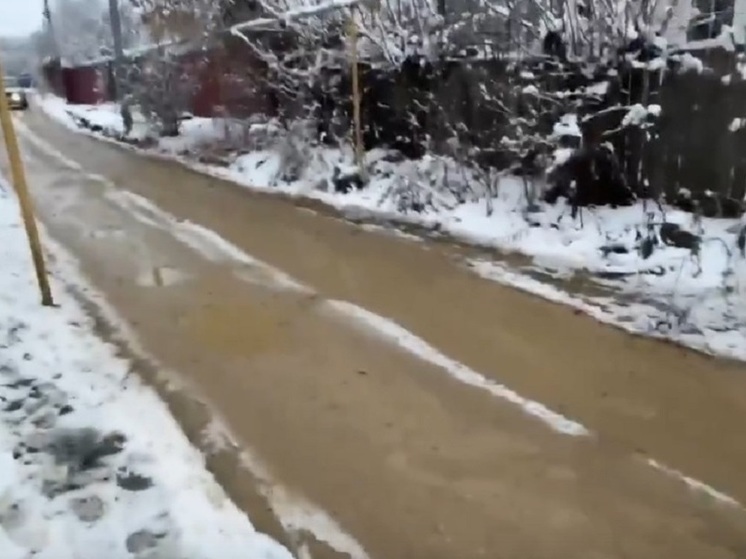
x=283, y=19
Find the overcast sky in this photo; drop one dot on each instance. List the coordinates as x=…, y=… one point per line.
x=20, y=17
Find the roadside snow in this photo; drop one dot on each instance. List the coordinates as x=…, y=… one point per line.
x=696, y=297
x=92, y=464
x=709, y=321
x=106, y=120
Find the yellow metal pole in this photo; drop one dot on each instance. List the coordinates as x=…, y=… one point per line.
x=358, y=139
x=24, y=200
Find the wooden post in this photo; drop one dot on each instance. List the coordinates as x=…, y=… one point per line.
x=24, y=200
x=358, y=136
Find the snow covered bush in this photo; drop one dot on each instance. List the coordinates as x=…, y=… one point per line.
x=566, y=96
x=162, y=87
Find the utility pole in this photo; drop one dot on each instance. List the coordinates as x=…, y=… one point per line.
x=357, y=121
x=119, y=62
x=50, y=30
x=24, y=199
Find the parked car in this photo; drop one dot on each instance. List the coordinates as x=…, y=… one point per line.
x=16, y=95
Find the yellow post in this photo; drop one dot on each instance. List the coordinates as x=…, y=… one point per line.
x=24, y=200
x=358, y=138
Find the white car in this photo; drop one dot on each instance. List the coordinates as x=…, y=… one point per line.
x=16, y=95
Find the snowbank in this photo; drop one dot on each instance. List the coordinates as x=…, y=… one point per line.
x=92, y=465
x=106, y=120
x=693, y=293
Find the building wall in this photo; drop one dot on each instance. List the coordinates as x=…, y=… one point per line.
x=739, y=21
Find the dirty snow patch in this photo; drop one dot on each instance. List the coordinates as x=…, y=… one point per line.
x=393, y=332
x=206, y=242
x=710, y=321
x=694, y=484
x=298, y=516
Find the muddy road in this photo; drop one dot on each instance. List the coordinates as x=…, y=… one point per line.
x=387, y=402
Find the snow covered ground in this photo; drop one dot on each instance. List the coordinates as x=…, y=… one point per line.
x=691, y=295
x=92, y=464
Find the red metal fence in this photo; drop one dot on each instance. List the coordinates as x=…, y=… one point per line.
x=82, y=85
x=224, y=82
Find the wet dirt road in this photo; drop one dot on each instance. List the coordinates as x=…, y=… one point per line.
x=393, y=433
